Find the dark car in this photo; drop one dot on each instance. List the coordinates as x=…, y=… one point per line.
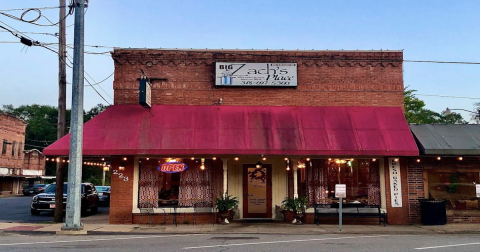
x=34, y=189
x=45, y=202
x=104, y=193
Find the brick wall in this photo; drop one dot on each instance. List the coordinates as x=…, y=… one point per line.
x=416, y=184
x=397, y=215
x=121, y=197
x=34, y=160
x=12, y=130
x=325, y=78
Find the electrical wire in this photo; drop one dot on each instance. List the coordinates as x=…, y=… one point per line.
x=97, y=91
x=38, y=17
x=450, y=96
x=98, y=86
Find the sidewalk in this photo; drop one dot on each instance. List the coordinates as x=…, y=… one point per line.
x=249, y=228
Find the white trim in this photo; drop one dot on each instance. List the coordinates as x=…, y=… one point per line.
x=135, y=185
x=383, y=195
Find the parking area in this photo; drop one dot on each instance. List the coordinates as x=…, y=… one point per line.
x=17, y=209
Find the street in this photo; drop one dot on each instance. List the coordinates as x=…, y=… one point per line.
x=17, y=209
x=238, y=242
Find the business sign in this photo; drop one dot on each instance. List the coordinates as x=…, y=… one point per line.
x=172, y=167
x=340, y=191
x=395, y=182
x=477, y=187
x=145, y=93
x=256, y=74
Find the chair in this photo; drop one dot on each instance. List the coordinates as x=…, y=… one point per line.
x=147, y=209
x=203, y=207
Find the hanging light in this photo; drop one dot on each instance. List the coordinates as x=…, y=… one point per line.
x=202, y=167
x=258, y=165
x=288, y=168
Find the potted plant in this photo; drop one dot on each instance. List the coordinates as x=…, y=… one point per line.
x=288, y=206
x=225, y=203
x=294, y=209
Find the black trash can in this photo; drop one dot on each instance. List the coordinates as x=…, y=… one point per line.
x=434, y=212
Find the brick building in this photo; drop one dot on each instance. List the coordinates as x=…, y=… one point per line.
x=15, y=165
x=260, y=125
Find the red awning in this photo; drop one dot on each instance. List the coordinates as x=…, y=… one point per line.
x=190, y=130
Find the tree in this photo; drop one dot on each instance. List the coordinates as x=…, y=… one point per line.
x=415, y=112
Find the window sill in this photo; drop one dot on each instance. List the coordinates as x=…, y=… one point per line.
x=462, y=213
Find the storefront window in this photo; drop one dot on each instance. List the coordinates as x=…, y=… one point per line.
x=183, y=188
x=361, y=177
x=458, y=188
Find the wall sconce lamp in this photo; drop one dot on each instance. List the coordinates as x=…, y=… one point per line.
x=122, y=166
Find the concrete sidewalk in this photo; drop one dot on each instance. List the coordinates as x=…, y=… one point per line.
x=248, y=228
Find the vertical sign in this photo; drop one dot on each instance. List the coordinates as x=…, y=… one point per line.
x=477, y=186
x=395, y=182
x=145, y=93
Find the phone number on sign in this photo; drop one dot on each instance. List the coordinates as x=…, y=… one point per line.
x=269, y=83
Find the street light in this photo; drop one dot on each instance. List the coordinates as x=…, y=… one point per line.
x=476, y=113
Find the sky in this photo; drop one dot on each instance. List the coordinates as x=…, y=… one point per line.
x=427, y=30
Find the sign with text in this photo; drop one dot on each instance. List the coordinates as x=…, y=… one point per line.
x=477, y=186
x=395, y=182
x=145, y=93
x=172, y=167
x=340, y=191
x=256, y=74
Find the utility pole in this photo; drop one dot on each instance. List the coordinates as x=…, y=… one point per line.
x=72, y=219
x=62, y=108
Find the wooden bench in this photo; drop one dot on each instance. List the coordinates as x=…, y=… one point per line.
x=349, y=211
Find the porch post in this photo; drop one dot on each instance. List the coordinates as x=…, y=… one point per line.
x=225, y=175
x=295, y=185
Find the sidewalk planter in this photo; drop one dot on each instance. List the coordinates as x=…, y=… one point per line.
x=225, y=203
x=288, y=215
x=297, y=206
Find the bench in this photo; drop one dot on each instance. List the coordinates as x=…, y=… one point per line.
x=349, y=211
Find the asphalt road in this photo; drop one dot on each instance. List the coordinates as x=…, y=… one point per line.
x=238, y=242
x=17, y=209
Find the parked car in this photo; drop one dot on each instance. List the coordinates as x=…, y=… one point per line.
x=34, y=189
x=104, y=194
x=45, y=202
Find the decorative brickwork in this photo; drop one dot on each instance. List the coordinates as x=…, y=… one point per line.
x=325, y=78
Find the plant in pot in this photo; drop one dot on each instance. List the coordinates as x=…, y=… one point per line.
x=225, y=203
x=295, y=208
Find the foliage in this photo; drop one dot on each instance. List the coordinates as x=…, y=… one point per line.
x=415, y=112
x=297, y=205
x=226, y=202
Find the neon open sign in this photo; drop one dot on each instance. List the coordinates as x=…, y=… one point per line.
x=172, y=167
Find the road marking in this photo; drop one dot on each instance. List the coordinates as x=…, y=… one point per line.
x=453, y=245
x=103, y=239
x=270, y=242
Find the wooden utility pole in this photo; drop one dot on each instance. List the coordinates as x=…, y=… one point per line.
x=62, y=109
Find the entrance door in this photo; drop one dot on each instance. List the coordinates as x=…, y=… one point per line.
x=257, y=191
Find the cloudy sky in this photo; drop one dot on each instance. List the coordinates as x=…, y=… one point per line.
x=427, y=30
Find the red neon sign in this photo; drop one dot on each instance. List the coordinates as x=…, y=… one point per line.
x=172, y=167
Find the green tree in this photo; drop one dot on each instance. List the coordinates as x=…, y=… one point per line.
x=415, y=112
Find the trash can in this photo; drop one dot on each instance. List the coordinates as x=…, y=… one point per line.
x=434, y=212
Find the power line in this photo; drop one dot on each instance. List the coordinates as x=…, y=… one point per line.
x=443, y=62
x=450, y=96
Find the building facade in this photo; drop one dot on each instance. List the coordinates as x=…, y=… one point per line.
x=17, y=165
x=259, y=125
